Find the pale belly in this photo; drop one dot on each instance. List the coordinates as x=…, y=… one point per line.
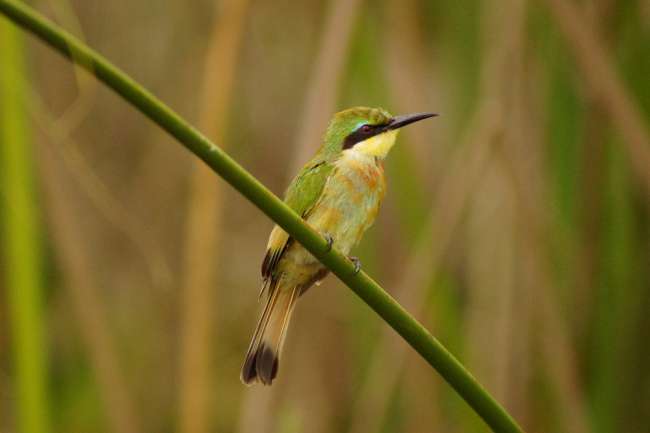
x=346, y=209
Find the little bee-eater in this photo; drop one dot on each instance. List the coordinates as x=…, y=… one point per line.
x=338, y=193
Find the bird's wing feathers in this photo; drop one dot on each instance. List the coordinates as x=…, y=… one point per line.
x=302, y=194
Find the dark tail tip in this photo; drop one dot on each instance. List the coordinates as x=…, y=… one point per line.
x=266, y=364
x=261, y=364
x=248, y=371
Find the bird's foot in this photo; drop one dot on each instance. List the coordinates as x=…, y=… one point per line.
x=330, y=242
x=357, y=264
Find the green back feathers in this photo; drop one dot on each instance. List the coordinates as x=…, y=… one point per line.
x=302, y=194
x=305, y=188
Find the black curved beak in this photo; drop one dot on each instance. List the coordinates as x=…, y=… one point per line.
x=407, y=119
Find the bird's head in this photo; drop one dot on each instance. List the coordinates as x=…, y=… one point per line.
x=371, y=131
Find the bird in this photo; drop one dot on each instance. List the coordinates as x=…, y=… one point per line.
x=338, y=193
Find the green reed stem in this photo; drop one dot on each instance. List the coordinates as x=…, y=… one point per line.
x=21, y=245
x=366, y=288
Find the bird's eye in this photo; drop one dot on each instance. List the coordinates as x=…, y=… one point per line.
x=366, y=128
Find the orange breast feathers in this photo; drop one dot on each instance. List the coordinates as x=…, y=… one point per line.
x=362, y=174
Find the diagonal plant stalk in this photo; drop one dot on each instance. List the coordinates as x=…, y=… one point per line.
x=365, y=287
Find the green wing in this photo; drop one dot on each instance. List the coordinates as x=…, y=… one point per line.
x=304, y=190
x=302, y=194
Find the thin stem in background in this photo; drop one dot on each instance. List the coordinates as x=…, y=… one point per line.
x=73, y=259
x=325, y=78
x=22, y=243
x=366, y=288
x=411, y=82
x=65, y=161
x=593, y=159
x=555, y=344
x=527, y=180
x=520, y=160
x=492, y=286
x=604, y=83
x=203, y=224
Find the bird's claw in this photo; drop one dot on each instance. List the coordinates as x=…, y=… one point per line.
x=357, y=264
x=330, y=242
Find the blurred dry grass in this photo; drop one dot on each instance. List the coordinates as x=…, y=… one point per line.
x=516, y=225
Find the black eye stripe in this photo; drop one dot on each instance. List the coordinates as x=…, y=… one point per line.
x=360, y=135
x=356, y=137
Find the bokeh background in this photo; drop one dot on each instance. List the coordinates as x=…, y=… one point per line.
x=516, y=226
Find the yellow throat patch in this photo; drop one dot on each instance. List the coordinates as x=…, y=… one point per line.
x=378, y=145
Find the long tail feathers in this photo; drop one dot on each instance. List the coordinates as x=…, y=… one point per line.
x=264, y=351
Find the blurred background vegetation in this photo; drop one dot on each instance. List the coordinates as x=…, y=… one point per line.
x=516, y=226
